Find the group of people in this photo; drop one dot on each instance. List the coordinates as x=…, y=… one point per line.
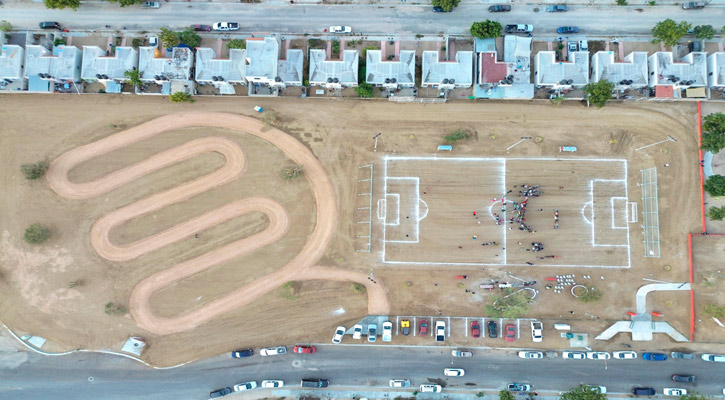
x=556, y=219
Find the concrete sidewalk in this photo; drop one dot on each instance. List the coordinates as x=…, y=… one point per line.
x=633, y=4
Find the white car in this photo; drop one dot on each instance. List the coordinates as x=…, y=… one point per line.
x=599, y=389
x=427, y=388
x=337, y=337
x=372, y=333
x=272, y=383
x=624, y=355
x=387, y=331
x=713, y=357
x=531, y=354
x=153, y=41
x=273, y=351
x=454, y=372
x=225, y=26
x=240, y=387
x=574, y=355
x=598, y=355
x=440, y=331
x=340, y=29
x=357, y=331
x=677, y=392
x=399, y=383
x=537, y=329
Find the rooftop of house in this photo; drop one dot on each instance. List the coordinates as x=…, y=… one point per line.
x=633, y=67
x=231, y=69
x=460, y=69
x=324, y=70
x=61, y=63
x=290, y=68
x=96, y=62
x=177, y=66
x=718, y=68
x=691, y=68
x=11, y=61
x=552, y=72
x=262, y=57
x=402, y=70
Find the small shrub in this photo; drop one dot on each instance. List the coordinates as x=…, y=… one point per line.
x=716, y=213
x=5, y=26
x=115, y=309
x=652, y=3
x=292, y=172
x=557, y=100
x=458, y=134
x=715, y=311
x=136, y=43
x=36, y=234
x=58, y=41
x=287, y=291
x=335, y=46
x=237, y=44
x=364, y=90
x=181, y=97
x=75, y=283
x=621, y=2
x=270, y=118
x=357, y=288
x=418, y=36
x=34, y=171
x=407, y=284
x=591, y=295
x=480, y=394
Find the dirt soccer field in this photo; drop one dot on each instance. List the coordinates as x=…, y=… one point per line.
x=184, y=219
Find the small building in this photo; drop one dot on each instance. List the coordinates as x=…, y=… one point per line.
x=548, y=72
x=447, y=74
x=221, y=72
x=507, y=79
x=172, y=74
x=716, y=70
x=391, y=74
x=11, y=67
x=669, y=78
x=110, y=70
x=52, y=71
x=290, y=68
x=628, y=73
x=334, y=74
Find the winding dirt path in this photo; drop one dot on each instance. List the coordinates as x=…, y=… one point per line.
x=301, y=267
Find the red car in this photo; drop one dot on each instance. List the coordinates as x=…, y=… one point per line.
x=510, y=332
x=304, y=349
x=475, y=329
x=201, y=28
x=423, y=327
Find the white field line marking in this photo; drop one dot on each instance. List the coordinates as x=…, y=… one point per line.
x=397, y=209
x=426, y=210
x=503, y=193
x=591, y=201
x=632, y=217
x=382, y=207
x=468, y=159
x=482, y=264
x=626, y=195
x=611, y=206
x=415, y=326
x=584, y=216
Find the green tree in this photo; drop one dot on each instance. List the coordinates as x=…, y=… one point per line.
x=486, y=29
x=125, y=3
x=189, y=38
x=237, y=44
x=706, y=32
x=715, y=185
x=713, y=132
x=621, y=2
x=36, y=234
x=61, y=4
x=34, y=171
x=446, y=5
x=716, y=213
x=364, y=90
x=599, y=93
x=506, y=395
x=58, y=41
x=133, y=77
x=169, y=38
x=5, y=26
x=458, y=134
x=669, y=31
x=181, y=97
x=583, y=392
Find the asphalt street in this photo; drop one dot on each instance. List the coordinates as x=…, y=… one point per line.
x=399, y=20
x=97, y=376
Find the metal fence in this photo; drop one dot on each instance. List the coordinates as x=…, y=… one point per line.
x=650, y=213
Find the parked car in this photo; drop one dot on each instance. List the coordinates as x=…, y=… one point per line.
x=571, y=47
x=461, y=353
x=428, y=388
x=273, y=351
x=220, y=392
x=510, y=332
x=643, y=391
x=49, y=25
x=339, y=332
x=537, y=331
x=531, y=354
x=500, y=8
x=492, y=329
x=340, y=29
x=519, y=28
x=153, y=41
x=557, y=8
x=693, y=5
x=201, y=28
x=583, y=45
x=317, y=383
x=713, y=357
x=398, y=383
x=453, y=372
x=598, y=388
x=272, y=383
x=150, y=4
x=574, y=355
x=440, y=331
x=405, y=327
x=387, y=331
x=518, y=387
x=683, y=378
x=475, y=329
x=598, y=355
x=624, y=355
x=423, y=327
x=677, y=392
x=304, y=349
x=225, y=26
x=242, y=353
x=683, y=356
x=372, y=333
x=439, y=9
x=240, y=387
x=654, y=356
x=567, y=29
x=357, y=331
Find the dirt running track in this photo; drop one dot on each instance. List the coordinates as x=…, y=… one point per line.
x=302, y=267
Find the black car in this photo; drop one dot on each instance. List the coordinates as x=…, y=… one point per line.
x=318, y=383
x=567, y=29
x=220, y=392
x=438, y=9
x=492, y=329
x=643, y=391
x=499, y=8
x=49, y=25
x=683, y=378
x=242, y=353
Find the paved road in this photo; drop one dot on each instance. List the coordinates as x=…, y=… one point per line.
x=94, y=376
x=593, y=21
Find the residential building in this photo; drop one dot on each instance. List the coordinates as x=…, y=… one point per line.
x=548, y=72
x=716, y=70
x=628, y=73
x=171, y=74
x=445, y=73
x=507, y=79
x=11, y=67
x=52, y=71
x=100, y=66
x=222, y=73
x=391, y=74
x=334, y=74
x=669, y=78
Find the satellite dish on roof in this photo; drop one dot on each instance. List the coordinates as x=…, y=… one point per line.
x=214, y=78
x=329, y=80
x=562, y=82
x=451, y=81
x=335, y=80
x=387, y=80
x=277, y=79
x=445, y=81
x=393, y=80
x=98, y=76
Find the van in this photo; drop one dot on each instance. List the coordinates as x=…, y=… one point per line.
x=583, y=45
x=643, y=391
x=562, y=327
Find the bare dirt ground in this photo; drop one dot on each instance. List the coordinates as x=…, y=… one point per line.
x=35, y=280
